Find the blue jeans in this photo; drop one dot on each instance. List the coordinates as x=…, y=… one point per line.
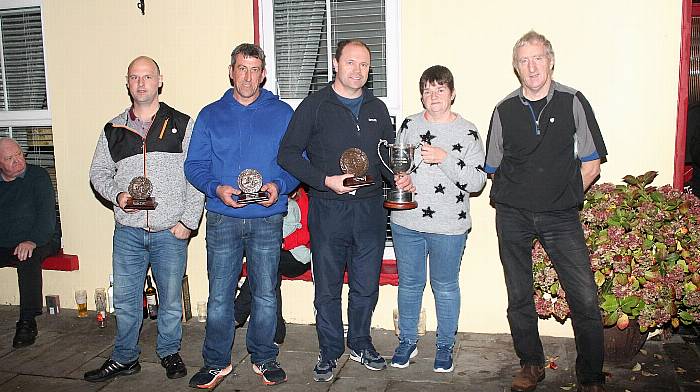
x=561, y=235
x=133, y=250
x=227, y=239
x=412, y=249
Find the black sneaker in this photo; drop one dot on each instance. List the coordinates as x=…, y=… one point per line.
x=25, y=333
x=323, y=371
x=271, y=372
x=111, y=369
x=174, y=367
x=209, y=378
x=370, y=358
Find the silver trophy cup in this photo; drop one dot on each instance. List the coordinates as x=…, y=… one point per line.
x=401, y=162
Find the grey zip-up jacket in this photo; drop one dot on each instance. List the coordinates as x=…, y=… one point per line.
x=119, y=157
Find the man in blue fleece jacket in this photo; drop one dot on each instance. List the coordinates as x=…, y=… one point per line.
x=240, y=131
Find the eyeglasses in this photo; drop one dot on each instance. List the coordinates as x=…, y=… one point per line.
x=436, y=91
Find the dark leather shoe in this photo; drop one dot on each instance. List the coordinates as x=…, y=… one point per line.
x=25, y=333
x=591, y=388
x=526, y=378
x=174, y=367
x=111, y=369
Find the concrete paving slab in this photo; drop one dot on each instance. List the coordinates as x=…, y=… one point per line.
x=301, y=338
x=150, y=378
x=61, y=346
x=6, y=376
x=423, y=386
x=39, y=383
x=68, y=346
x=297, y=365
x=353, y=384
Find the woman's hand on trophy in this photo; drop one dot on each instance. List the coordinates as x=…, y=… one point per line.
x=404, y=182
x=335, y=183
x=122, y=199
x=432, y=154
x=272, y=193
x=225, y=194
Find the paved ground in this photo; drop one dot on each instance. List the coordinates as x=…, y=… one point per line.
x=68, y=346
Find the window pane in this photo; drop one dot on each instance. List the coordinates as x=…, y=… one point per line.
x=37, y=143
x=301, y=42
x=299, y=32
x=22, y=80
x=363, y=20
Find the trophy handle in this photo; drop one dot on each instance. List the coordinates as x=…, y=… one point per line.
x=383, y=142
x=415, y=165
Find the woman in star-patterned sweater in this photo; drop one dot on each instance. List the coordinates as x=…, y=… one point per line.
x=449, y=169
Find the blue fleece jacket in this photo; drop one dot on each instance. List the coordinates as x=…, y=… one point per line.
x=229, y=138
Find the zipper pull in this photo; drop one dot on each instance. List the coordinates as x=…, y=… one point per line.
x=358, y=127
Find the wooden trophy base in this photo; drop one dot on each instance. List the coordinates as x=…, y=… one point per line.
x=400, y=205
x=255, y=197
x=148, y=203
x=358, y=182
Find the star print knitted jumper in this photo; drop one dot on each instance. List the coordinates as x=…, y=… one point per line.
x=442, y=190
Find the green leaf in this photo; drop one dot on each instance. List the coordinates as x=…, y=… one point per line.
x=609, y=304
x=685, y=316
x=599, y=278
x=635, y=284
x=632, y=180
x=657, y=197
x=554, y=288
x=621, y=279
x=689, y=288
x=611, y=319
x=648, y=177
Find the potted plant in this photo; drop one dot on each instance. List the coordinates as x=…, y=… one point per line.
x=645, y=255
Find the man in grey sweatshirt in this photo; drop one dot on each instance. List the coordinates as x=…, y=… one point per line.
x=150, y=139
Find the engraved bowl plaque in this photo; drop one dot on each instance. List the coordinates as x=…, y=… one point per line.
x=140, y=189
x=249, y=182
x=354, y=161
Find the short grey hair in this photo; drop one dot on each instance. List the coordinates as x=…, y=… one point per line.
x=532, y=37
x=5, y=139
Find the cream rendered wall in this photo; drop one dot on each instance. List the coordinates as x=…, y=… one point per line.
x=89, y=45
x=624, y=59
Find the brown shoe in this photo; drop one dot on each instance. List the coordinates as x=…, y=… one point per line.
x=526, y=378
x=591, y=388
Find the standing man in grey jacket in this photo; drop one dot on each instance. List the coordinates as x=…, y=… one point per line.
x=149, y=139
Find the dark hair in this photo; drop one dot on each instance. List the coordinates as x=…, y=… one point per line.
x=437, y=74
x=342, y=44
x=248, y=50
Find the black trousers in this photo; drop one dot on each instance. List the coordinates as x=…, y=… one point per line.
x=29, y=278
x=289, y=267
x=561, y=235
x=346, y=235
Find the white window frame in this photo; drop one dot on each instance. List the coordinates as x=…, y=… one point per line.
x=393, y=45
x=28, y=118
